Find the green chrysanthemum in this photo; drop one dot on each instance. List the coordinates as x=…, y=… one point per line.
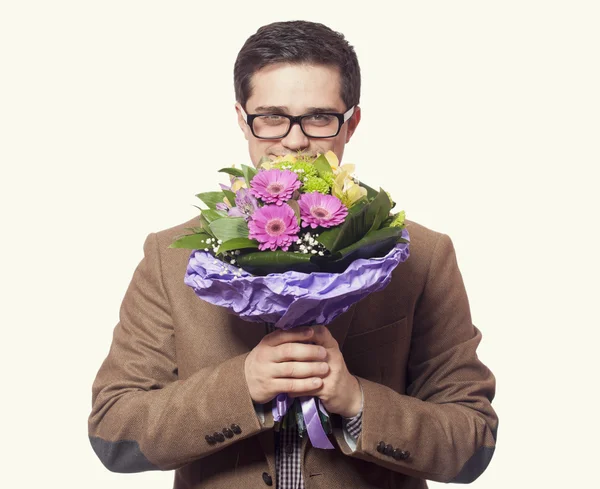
x=301, y=168
x=398, y=220
x=329, y=178
x=316, y=184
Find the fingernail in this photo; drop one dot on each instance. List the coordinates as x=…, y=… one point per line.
x=308, y=332
x=316, y=381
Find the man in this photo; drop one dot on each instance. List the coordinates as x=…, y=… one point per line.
x=188, y=387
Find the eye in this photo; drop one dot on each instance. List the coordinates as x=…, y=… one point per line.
x=320, y=119
x=272, y=119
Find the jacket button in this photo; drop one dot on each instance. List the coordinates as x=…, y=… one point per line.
x=236, y=429
x=404, y=454
x=210, y=439
x=267, y=479
x=219, y=436
x=381, y=447
x=228, y=433
x=389, y=449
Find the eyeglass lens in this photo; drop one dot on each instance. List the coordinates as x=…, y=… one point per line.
x=274, y=126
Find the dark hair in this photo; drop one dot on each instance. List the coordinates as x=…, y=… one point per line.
x=296, y=42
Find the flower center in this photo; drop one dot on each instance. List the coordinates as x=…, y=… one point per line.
x=275, y=188
x=320, y=212
x=275, y=227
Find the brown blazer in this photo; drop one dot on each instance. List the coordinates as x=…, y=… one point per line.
x=175, y=373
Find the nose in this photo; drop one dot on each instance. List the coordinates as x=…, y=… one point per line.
x=296, y=139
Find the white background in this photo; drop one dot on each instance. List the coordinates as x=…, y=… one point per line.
x=482, y=118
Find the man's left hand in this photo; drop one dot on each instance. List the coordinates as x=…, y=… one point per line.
x=340, y=392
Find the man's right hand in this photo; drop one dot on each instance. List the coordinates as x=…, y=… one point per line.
x=282, y=363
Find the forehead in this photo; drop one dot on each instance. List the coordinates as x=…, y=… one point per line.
x=297, y=87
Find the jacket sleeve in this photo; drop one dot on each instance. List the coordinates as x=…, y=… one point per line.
x=444, y=429
x=143, y=417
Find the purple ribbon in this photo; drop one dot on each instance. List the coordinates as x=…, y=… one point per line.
x=310, y=412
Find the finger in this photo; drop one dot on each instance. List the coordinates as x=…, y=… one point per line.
x=300, y=370
x=310, y=393
x=323, y=337
x=297, y=386
x=298, y=352
x=280, y=336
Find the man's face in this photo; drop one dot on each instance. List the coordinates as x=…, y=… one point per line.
x=296, y=90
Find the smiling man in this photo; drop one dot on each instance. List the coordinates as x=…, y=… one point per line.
x=188, y=387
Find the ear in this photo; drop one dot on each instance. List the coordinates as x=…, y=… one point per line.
x=352, y=123
x=241, y=122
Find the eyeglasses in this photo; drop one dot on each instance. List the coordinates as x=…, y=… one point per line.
x=277, y=126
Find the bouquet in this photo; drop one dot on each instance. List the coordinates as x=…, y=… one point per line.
x=294, y=242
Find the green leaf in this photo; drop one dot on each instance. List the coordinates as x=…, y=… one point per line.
x=232, y=171
x=265, y=262
x=191, y=241
x=211, y=199
x=379, y=210
x=229, y=228
x=295, y=207
x=249, y=173
x=371, y=192
x=375, y=243
x=322, y=166
x=237, y=244
x=212, y=215
x=362, y=218
x=351, y=230
x=206, y=225
x=230, y=196
x=196, y=230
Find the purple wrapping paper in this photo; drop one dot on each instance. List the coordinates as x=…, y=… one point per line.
x=292, y=298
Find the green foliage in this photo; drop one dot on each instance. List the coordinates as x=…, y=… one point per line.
x=351, y=230
x=379, y=209
x=249, y=174
x=371, y=192
x=230, y=196
x=229, y=228
x=237, y=244
x=233, y=172
x=211, y=215
x=211, y=199
x=265, y=262
x=362, y=218
x=191, y=241
x=322, y=166
x=375, y=243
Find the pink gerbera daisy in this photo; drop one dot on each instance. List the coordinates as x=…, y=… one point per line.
x=274, y=186
x=317, y=209
x=274, y=226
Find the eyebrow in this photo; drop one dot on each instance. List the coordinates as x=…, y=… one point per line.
x=282, y=109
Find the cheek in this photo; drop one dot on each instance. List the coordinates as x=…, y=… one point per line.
x=258, y=149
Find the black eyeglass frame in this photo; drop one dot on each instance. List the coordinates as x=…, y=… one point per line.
x=297, y=119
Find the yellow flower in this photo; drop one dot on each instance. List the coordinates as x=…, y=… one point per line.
x=332, y=159
x=344, y=187
x=237, y=184
x=290, y=158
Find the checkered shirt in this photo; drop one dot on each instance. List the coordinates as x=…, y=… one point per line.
x=288, y=449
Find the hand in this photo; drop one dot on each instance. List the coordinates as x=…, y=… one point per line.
x=340, y=392
x=280, y=363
